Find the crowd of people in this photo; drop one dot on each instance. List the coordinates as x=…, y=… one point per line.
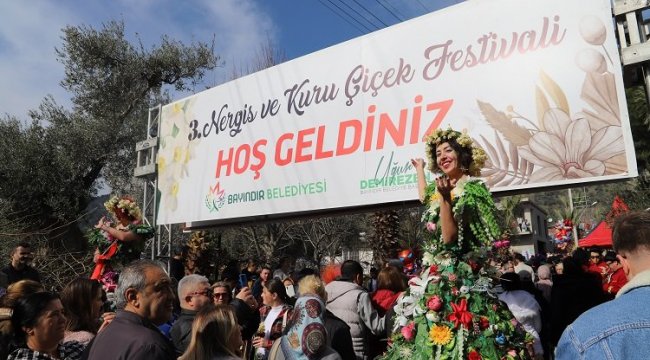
x=462, y=297
x=565, y=304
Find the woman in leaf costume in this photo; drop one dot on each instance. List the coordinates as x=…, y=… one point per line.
x=117, y=244
x=449, y=310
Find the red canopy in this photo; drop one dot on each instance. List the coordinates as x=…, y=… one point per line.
x=602, y=234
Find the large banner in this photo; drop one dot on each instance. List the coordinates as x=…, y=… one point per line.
x=536, y=83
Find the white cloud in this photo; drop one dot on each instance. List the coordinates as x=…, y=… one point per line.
x=30, y=30
x=241, y=28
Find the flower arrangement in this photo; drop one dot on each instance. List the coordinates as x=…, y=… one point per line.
x=440, y=136
x=125, y=206
x=436, y=322
x=563, y=236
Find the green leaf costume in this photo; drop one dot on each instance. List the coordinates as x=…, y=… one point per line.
x=449, y=310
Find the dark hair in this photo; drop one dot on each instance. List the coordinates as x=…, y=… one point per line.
x=350, y=269
x=510, y=281
x=19, y=290
x=15, y=292
x=391, y=279
x=77, y=298
x=276, y=286
x=27, y=312
x=464, y=154
x=581, y=257
x=267, y=267
x=517, y=256
x=610, y=256
x=572, y=266
x=631, y=231
x=24, y=244
x=283, y=260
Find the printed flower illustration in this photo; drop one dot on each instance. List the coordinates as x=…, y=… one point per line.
x=440, y=334
x=568, y=149
x=176, y=150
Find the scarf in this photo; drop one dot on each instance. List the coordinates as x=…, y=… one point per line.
x=305, y=337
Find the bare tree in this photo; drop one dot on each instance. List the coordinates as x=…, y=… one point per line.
x=325, y=236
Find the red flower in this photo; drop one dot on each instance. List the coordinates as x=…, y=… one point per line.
x=474, y=355
x=475, y=266
x=484, y=323
x=460, y=315
x=454, y=291
x=433, y=269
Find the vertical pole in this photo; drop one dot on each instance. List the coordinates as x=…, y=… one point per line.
x=574, y=230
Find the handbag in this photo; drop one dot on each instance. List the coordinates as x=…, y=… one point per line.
x=273, y=353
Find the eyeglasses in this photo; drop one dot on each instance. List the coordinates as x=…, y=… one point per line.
x=207, y=292
x=220, y=295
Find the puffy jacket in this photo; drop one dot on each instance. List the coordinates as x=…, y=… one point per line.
x=351, y=303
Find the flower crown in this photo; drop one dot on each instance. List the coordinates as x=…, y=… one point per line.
x=125, y=205
x=440, y=136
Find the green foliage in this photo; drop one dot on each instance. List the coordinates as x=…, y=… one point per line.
x=53, y=163
x=637, y=103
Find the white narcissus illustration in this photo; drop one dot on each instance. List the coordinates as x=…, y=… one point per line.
x=176, y=150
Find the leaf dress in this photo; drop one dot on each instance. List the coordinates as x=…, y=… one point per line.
x=449, y=310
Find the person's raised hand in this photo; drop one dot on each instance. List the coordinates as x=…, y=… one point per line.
x=107, y=317
x=443, y=186
x=258, y=342
x=418, y=163
x=246, y=295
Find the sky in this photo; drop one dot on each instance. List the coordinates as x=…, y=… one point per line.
x=30, y=31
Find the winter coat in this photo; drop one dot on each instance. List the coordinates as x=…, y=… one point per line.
x=351, y=303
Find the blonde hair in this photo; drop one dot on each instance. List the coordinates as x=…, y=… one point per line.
x=212, y=329
x=311, y=284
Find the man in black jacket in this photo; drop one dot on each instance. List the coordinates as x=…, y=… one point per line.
x=19, y=268
x=144, y=298
x=194, y=293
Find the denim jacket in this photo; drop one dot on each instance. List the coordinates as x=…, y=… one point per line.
x=618, y=329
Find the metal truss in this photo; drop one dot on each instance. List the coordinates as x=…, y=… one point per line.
x=159, y=247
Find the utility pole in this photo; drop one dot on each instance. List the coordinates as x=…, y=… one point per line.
x=574, y=229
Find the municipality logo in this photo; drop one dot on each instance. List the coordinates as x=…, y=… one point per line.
x=215, y=199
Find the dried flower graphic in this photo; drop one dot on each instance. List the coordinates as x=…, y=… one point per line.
x=568, y=149
x=593, y=30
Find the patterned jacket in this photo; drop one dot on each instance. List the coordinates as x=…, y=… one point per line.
x=68, y=351
x=279, y=323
